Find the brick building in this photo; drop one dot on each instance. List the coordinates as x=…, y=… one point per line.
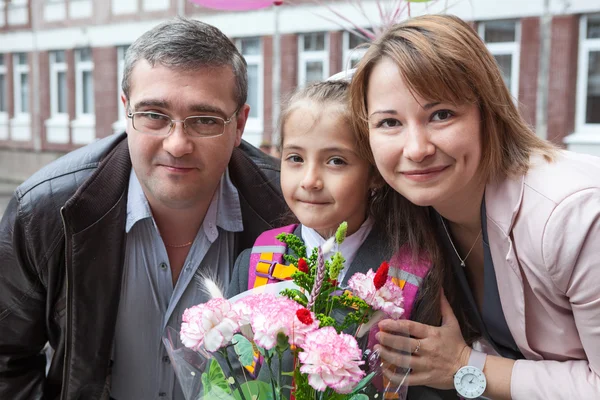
x=61, y=63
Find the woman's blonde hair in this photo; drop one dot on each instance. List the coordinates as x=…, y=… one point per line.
x=441, y=58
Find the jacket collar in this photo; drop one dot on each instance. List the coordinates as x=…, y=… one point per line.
x=503, y=201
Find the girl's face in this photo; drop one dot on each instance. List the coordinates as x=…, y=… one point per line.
x=323, y=179
x=429, y=152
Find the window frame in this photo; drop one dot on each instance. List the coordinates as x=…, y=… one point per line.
x=304, y=57
x=18, y=71
x=4, y=94
x=255, y=124
x=121, y=50
x=348, y=54
x=80, y=68
x=55, y=69
x=507, y=48
x=586, y=46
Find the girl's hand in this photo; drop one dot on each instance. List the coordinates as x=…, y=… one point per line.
x=437, y=352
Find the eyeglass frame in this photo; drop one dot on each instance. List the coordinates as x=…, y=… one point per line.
x=226, y=122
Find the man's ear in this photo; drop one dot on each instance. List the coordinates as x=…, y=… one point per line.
x=241, y=119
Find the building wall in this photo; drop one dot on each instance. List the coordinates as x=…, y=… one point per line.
x=42, y=27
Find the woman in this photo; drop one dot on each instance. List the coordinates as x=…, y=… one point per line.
x=519, y=218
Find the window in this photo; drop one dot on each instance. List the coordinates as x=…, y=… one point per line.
x=58, y=83
x=354, y=49
x=3, y=86
x=21, y=83
x=313, y=58
x=588, y=79
x=251, y=49
x=502, y=39
x=121, y=50
x=84, y=82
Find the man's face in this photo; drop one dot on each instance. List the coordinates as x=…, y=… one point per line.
x=180, y=171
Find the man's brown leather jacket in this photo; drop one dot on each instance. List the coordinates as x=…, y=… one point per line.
x=62, y=245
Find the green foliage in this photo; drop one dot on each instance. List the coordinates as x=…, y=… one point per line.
x=214, y=381
x=293, y=242
x=340, y=234
x=336, y=265
x=262, y=390
x=244, y=350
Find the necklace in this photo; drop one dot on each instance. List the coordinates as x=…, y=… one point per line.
x=462, y=260
x=178, y=246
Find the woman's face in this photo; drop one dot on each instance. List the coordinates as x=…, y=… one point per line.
x=429, y=152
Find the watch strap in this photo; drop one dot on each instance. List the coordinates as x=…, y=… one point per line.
x=477, y=359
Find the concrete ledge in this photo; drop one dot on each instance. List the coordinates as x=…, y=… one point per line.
x=18, y=165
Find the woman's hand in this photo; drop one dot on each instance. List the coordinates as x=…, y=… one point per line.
x=436, y=352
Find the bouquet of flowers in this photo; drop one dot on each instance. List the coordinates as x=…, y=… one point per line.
x=310, y=321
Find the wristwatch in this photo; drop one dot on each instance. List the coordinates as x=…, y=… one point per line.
x=469, y=381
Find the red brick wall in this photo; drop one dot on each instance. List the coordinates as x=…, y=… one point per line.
x=289, y=64
x=267, y=45
x=563, y=77
x=106, y=91
x=529, y=66
x=335, y=52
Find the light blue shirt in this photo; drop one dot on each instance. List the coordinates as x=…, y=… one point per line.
x=149, y=302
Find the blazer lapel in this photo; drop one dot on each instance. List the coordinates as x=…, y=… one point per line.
x=503, y=203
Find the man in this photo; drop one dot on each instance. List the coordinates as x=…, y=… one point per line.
x=106, y=247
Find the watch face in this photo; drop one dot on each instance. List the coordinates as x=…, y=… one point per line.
x=470, y=382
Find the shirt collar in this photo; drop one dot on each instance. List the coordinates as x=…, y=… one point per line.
x=224, y=210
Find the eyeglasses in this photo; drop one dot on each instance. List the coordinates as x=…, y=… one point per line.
x=157, y=124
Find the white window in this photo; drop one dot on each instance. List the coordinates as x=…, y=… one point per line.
x=588, y=77
x=3, y=98
x=84, y=82
x=313, y=57
x=18, y=13
x=354, y=47
x=20, y=123
x=58, y=83
x=503, y=40
x=55, y=10
x=57, y=126
x=3, y=87
x=83, y=128
x=251, y=49
x=2, y=12
x=21, y=84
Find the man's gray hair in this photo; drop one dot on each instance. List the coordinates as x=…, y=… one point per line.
x=187, y=44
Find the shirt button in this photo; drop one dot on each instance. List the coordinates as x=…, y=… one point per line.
x=166, y=359
x=162, y=394
x=163, y=266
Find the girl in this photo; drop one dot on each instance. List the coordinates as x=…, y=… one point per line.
x=519, y=219
x=325, y=181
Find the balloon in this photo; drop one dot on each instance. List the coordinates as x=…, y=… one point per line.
x=237, y=5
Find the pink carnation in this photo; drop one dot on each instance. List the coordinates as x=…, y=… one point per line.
x=270, y=315
x=388, y=298
x=211, y=324
x=331, y=360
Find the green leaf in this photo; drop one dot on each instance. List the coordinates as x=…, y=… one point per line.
x=215, y=381
x=359, y=396
x=364, y=382
x=262, y=390
x=244, y=350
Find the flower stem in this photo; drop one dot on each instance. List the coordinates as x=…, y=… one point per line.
x=235, y=381
x=272, y=377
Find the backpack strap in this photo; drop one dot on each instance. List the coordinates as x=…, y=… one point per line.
x=266, y=260
x=408, y=274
